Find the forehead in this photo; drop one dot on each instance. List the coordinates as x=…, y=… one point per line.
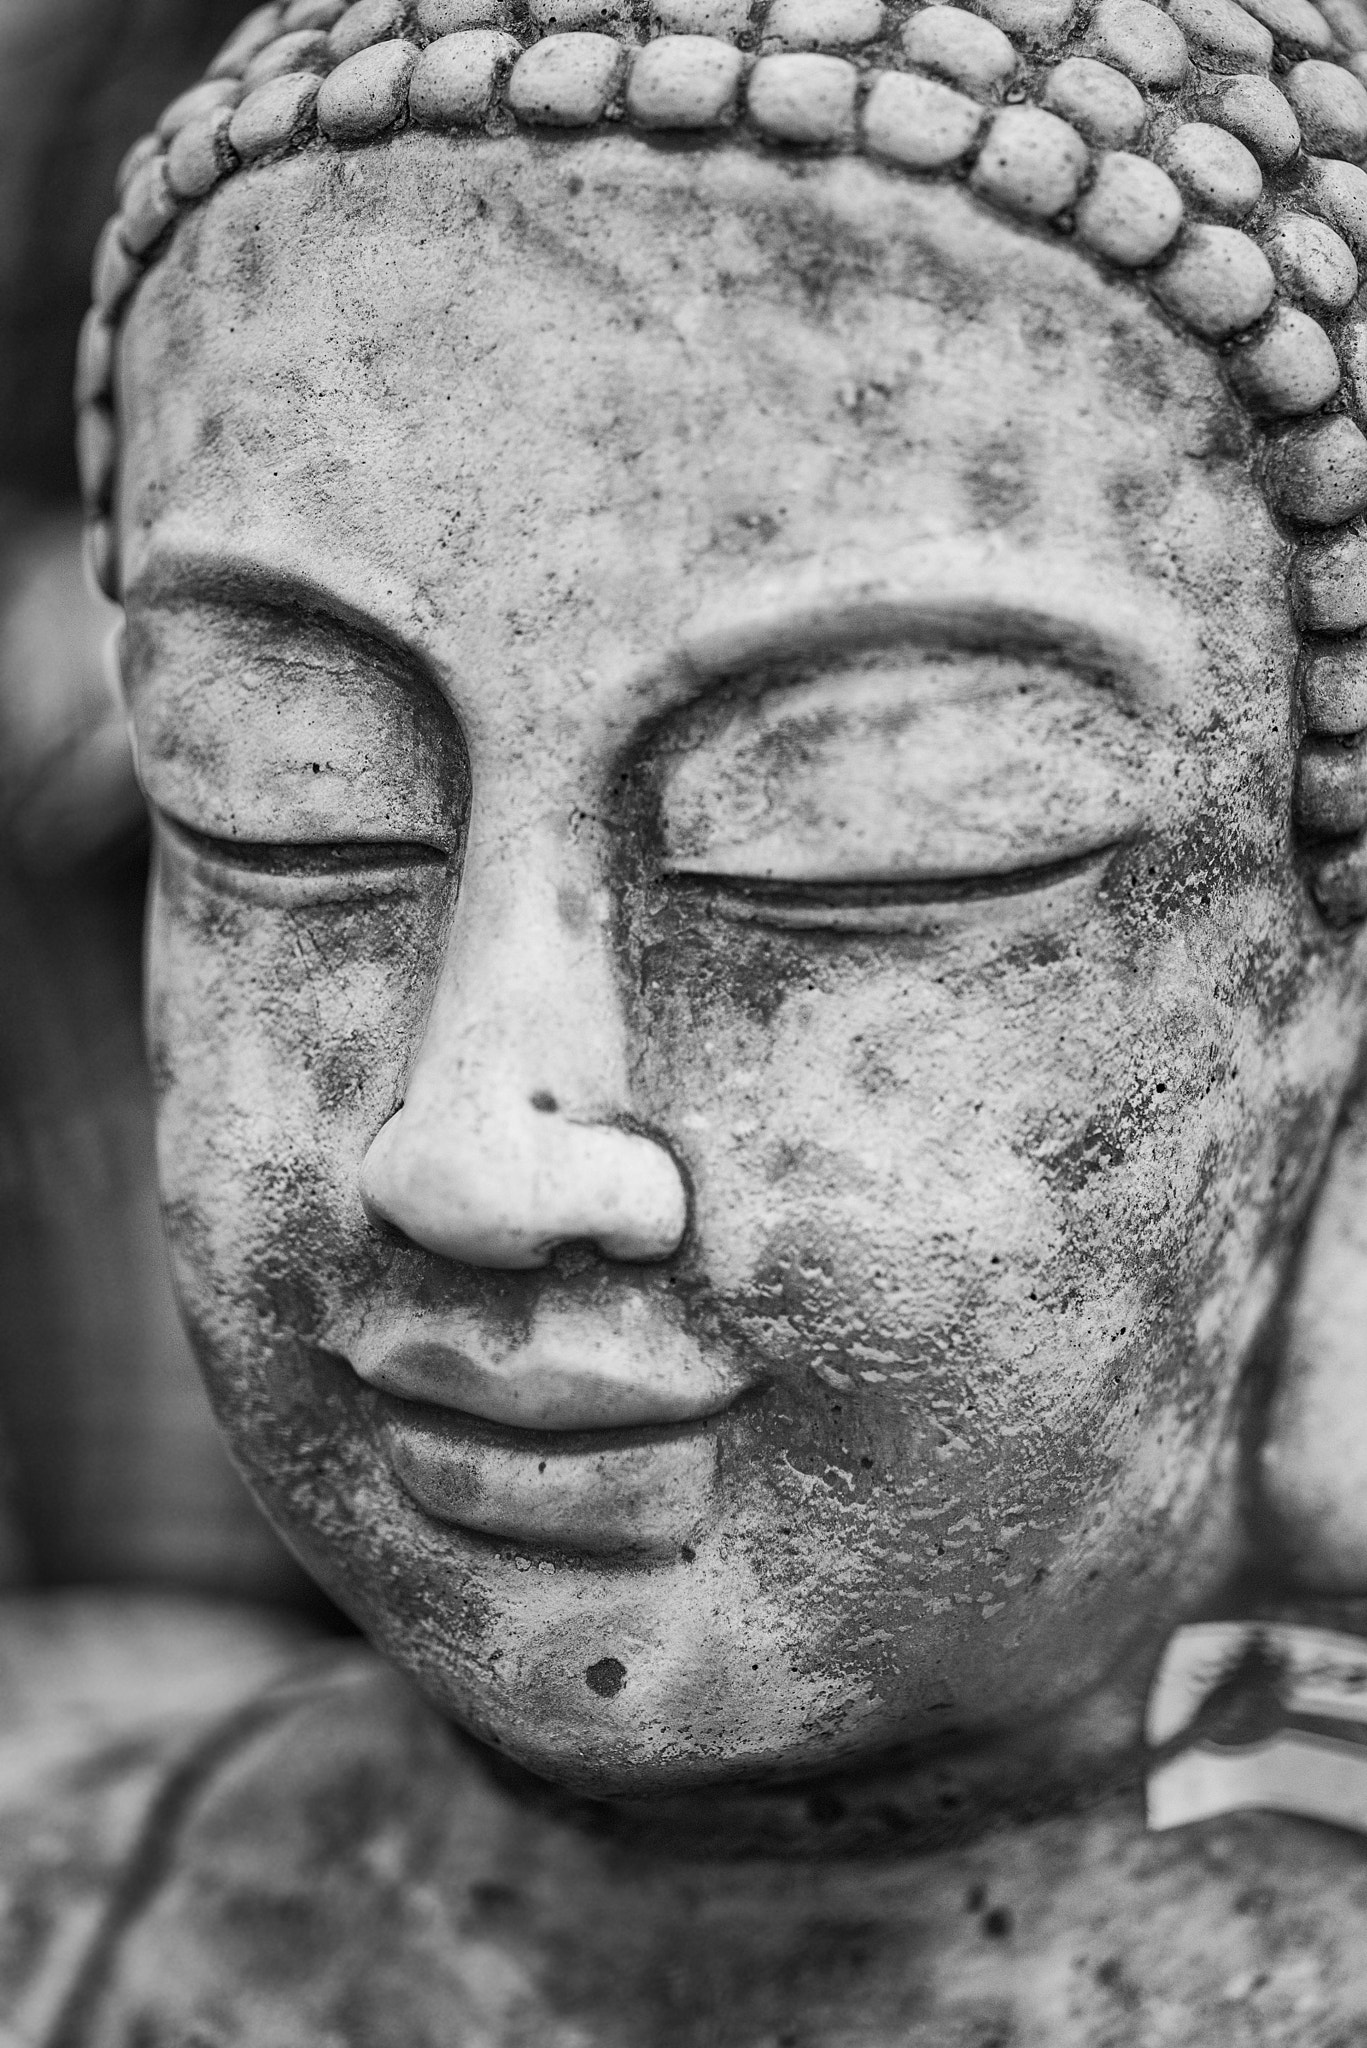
x=439, y=375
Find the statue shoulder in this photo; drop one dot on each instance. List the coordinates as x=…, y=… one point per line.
x=122, y=1719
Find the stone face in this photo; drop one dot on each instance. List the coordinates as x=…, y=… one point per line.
x=1100, y=102
x=1289, y=369
x=1213, y=170
x=1218, y=282
x=368, y=93
x=1131, y=211
x=456, y=79
x=803, y=99
x=919, y=122
x=685, y=82
x=566, y=81
x=959, y=47
x=1031, y=162
x=1312, y=262
x=1141, y=41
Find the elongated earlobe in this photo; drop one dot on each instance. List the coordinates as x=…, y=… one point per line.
x=1313, y=1461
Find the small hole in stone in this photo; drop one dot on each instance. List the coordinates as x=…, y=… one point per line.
x=687, y=1553
x=606, y=1677
x=997, y=1923
x=545, y=1102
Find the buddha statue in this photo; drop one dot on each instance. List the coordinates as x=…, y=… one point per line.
x=743, y=629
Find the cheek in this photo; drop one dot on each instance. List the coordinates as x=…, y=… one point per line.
x=279, y=1040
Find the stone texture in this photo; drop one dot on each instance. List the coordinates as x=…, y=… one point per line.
x=1031, y=163
x=456, y=79
x=260, y=27
x=1218, y=282
x=919, y=122
x=273, y=116
x=1214, y=172
x=1317, y=474
x=367, y=22
x=367, y=93
x=1331, y=788
x=1295, y=24
x=447, y=17
x=148, y=208
x=685, y=82
x=1289, y=369
x=1334, y=682
x=94, y=360
x=959, y=47
x=822, y=24
x=1329, y=584
x=138, y=154
x=1338, y=193
x=1034, y=21
x=113, y=272
x=725, y=18
x=803, y=99
x=1256, y=112
x=566, y=81
x=1140, y=41
x=1101, y=103
x=1331, y=107
x=200, y=154
x=1131, y=211
x=322, y=14
x=1312, y=263
x=303, y=50
x=1222, y=35
x=205, y=98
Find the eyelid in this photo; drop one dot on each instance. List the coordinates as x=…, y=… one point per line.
x=291, y=870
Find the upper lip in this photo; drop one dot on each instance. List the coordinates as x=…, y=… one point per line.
x=599, y=1367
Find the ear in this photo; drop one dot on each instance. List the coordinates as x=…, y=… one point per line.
x=1312, y=1471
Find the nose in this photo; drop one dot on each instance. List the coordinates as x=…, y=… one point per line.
x=515, y=1131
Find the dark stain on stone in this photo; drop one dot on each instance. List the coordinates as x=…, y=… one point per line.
x=606, y=1677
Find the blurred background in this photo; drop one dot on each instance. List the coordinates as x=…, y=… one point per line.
x=110, y=1468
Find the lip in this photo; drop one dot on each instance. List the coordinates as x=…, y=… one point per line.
x=637, y=1491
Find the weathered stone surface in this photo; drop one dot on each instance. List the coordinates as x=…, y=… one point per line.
x=1214, y=172
x=272, y=116
x=1289, y=369
x=148, y=208
x=919, y=122
x=1131, y=211
x=822, y=24
x=1312, y=262
x=1331, y=107
x=364, y=23
x=1141, y=41
x=803, y=99
x=1031, y=162
x=685, y=82
x=1219, y=282
x=205, y=98
x=1257, y=112
x=302, y=50
x=1296, y=24
x=368, y=93
x=200, y=154
x=1334, y=685
x=1222, y=34
x=448, y=17
x=1100, y=102
x=456, y=79
x=1329, y=584
x=959, y=47
x=567, y=81
x=1331, y=788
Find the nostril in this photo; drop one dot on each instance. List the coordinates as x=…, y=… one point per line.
x=545, y=1102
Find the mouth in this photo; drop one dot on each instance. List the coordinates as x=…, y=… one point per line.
x=643, y=1492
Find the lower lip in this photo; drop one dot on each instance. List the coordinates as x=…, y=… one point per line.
x=619, y=1492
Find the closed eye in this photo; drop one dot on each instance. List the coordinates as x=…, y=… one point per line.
x=317, y=869
x=904, y=904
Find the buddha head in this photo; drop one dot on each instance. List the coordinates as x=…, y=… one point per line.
x=742, y=634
